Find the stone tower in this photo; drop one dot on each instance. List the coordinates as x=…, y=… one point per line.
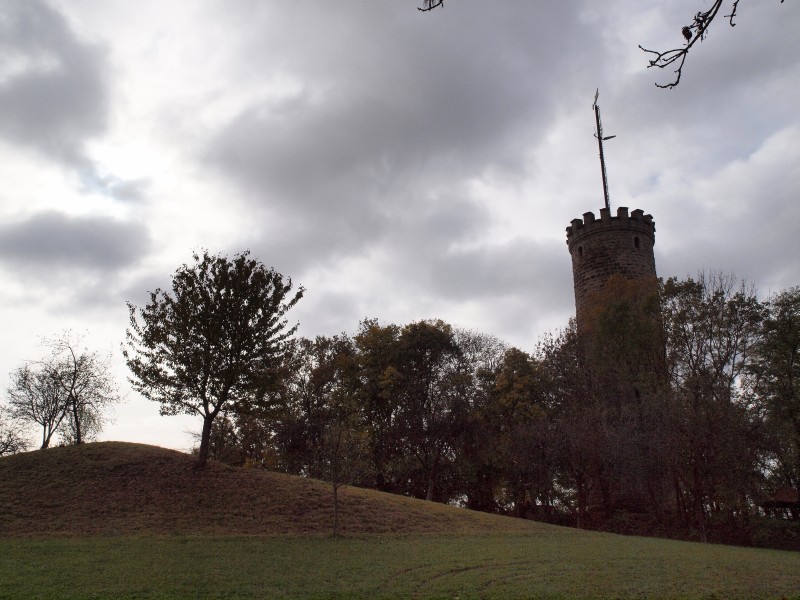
x=603, y=248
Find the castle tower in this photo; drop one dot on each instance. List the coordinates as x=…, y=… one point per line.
x=615, y=282
x=621, y=351
x=609, y=248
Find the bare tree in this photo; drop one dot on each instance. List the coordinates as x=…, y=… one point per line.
x=12, y=439
x=35, y=396
x=692, y=33
x=87, y=386
x=65, y=392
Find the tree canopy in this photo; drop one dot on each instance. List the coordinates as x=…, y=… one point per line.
x=214, y=342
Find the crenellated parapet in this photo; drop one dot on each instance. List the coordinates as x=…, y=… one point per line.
x=618, y=248
x=635, y=222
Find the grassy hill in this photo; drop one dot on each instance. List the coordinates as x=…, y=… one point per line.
x=123, y=521
x=115, y=488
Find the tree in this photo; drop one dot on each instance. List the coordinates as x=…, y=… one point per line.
x=214, y=343
x=12, y=439
x=580, y=441
x=66, y=392
x=36, y=397
x=509, y=444
x=377, y=353
x=774, y=377
x=712, y=329
x=317, y=374
x=479, y=465
x=87, y=385
x=319, y=431
x=432, y=384
x=344, y=443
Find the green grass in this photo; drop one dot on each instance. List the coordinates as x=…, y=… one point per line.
x=563, y=564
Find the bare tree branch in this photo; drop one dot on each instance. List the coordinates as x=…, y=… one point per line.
x=698, y=30
x=430, y=5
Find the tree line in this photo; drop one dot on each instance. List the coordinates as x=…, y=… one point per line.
x=677, y=412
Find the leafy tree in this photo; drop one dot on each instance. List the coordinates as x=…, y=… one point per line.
x=214, y=342
x=509, y=439
x=432, y=382
x=319, y=431
x=318, y=377
x=377, y=354
x=580, y=440
x=224, y=444
x=67, y=392
x=713, y=326
x=774, y=377
x=344, y=444
x=478, y=464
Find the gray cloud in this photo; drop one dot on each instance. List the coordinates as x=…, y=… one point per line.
x=55, y=90
x=55, y=93
x=346, y=159
x=51, y=242
x=519, y=268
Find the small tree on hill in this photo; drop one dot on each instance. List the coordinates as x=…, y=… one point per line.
x=12, y=439
x=65, y=392
x=214, y=343
x=35, y=397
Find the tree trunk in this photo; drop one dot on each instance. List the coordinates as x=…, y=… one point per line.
x=78, y=439
x=581, y=503
x=205, y=442
x=335, y=509
x=432, y=481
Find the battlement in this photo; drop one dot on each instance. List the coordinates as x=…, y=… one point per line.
x=637, y=221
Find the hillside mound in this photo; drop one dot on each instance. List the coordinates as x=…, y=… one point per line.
x=116, y=488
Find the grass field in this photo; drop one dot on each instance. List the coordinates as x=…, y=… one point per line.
x=566, y=564
x=128, y=521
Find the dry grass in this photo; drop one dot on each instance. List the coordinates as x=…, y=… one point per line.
x=115, y=488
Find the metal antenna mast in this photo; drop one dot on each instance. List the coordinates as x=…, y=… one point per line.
x=600, y=140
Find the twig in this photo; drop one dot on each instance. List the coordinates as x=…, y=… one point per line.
x=694, y=32
x=430, y=5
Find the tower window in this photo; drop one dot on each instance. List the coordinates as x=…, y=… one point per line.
x=580, y=251
x=636, y=243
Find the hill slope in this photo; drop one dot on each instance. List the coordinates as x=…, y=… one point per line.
x=116, y=488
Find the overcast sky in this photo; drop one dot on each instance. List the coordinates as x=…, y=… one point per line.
x=398, y=164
